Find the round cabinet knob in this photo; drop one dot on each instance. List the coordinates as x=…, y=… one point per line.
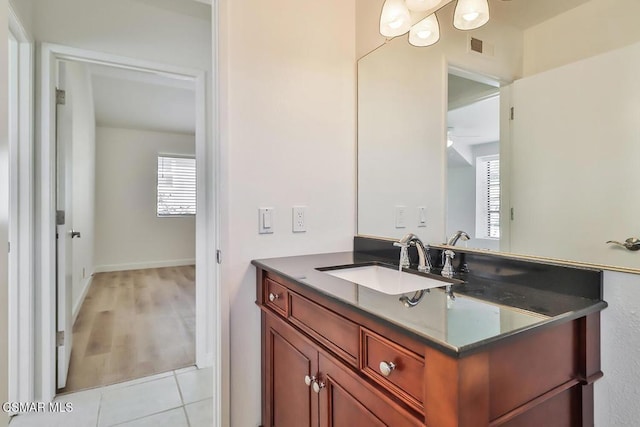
x=318, y=385
x=386, y=368
x=273, y=297
x=309, y=380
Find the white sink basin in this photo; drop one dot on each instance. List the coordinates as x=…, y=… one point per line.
x=386, y=280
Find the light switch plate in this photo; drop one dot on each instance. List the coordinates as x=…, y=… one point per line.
x=422, y=216
x=401, y=216
x=265, y=220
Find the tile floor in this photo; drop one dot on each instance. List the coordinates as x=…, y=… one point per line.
x=181, y=398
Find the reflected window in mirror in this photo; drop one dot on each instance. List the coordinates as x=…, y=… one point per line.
x=488, y=197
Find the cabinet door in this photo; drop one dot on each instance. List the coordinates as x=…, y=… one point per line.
x=288, y=359
x=346, y=400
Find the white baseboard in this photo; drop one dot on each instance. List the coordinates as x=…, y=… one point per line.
x=206, y=362
x=143, y=265
x=78, y=304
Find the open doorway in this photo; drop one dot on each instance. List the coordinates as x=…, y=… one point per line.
x=170, y=39
x=473, y=159
x=126, y=203
x=58, y=307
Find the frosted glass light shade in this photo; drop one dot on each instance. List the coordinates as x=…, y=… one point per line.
x=425, y=32
x=471, y=14
x=422, y=5
x=395, y=19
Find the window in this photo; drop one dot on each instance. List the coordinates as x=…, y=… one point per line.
x=176, y=186
x=488, y=197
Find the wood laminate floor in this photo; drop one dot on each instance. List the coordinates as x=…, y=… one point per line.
x=133, y=324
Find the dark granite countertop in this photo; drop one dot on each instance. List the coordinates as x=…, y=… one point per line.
x=482, y=312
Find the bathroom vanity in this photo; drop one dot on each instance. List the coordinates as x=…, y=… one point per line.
x=511, y=343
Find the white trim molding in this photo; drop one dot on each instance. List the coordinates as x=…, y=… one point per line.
x=144, y=265
x=220, y=353
x=75, y=310
x=21, y=259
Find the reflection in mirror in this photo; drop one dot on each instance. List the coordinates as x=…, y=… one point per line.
x=568, y=159
x=473, y=160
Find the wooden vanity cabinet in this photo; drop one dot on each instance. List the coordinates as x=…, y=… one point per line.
x=540, y=377
x=288, y=359
x=334, y=397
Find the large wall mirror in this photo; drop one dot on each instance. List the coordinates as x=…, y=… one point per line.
x=532, y=146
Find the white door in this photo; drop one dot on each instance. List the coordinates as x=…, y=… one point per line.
x=64, y=233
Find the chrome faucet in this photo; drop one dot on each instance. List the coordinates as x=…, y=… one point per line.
x=424, y=261
x=457, y=236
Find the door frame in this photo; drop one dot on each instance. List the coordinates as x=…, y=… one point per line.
x=207, y=299
x=21, y=234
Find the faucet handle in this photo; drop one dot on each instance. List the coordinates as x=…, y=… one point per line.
x=404, y=257
x=404, y=253
x=447, y=270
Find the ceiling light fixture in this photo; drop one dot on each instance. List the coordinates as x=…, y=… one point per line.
x=397, y=17
x=425, y=32
x=471, y=14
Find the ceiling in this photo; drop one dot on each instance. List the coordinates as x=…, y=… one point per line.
x=471, y=125
x=140, y=100
x=527, y=13
x=194, y=8
x=462, y=91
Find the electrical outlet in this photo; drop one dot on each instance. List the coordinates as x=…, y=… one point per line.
x=298, y=214
x=265, y=220
x=401, y=216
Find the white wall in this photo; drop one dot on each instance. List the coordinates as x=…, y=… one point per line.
x=593, y=28
x=24, y=12
x=367, y=24
x=461, y=199
x=80, y=96
x=4, y=205
x=129, y=235
x=288, y=130
x=164, y=31
x=574, y=184
x=401, y=134
x=617, y=394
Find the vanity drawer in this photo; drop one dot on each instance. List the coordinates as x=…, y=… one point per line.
x=276, y=296
x=338, y=334
x=405, y=377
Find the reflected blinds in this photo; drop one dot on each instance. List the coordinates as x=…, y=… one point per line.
x=176, y=186
x=493, y=198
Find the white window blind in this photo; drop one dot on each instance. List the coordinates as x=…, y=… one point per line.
x=176, y=186
x=488, y=197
